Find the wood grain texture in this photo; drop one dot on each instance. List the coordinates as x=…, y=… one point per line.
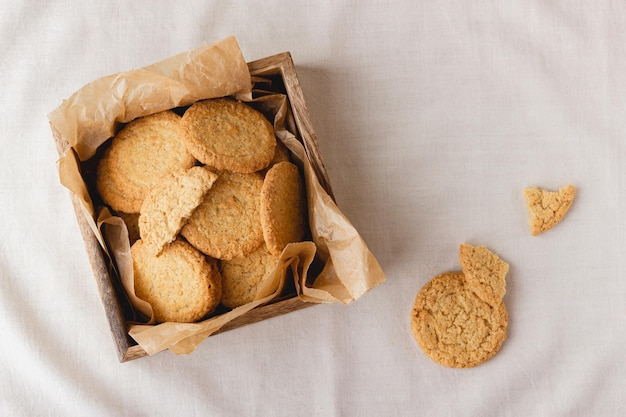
x=278, y=308
x=283, y=64
x=102, y=269
x=116, y=306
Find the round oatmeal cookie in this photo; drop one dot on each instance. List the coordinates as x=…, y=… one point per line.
x=453, y=326
x=227, y=223
x=283, y=207
x=181, y=284
x=228, y=135
x=140, y=154
x=243, y=276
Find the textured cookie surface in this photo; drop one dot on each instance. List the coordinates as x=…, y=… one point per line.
x=243, y=276
x=229, y=135
x=109, y=191
x=485, y=273
x=453, y=326
x=181, y=285
x=140, y=154
x=547, y=208
x=283, y=207
x=227, y=223
x=168, y=205
x=281, y=154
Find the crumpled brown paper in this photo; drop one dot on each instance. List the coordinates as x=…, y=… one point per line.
x=92, y=115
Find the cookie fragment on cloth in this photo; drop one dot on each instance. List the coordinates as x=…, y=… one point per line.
x=547, y=208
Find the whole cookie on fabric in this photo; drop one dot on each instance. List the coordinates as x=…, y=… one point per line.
x=229, y=135
x=227, y=223
x=485, y=272
x=242, y=277
x=168, y=206
x=453, y=326
x=181, y=284
x=547, y=208
x=140, y=154
x=283, y=207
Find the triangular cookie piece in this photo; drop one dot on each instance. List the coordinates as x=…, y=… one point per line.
x=484, y=272
x=547, y=208
x=169, y=204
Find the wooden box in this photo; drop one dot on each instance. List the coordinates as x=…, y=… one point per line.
x=281, y=70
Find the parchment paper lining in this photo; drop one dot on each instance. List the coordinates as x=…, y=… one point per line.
x=92, y=115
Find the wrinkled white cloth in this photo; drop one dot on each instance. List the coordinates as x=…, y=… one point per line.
x=431, y=118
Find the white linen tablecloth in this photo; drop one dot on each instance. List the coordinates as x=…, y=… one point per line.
x=432, y=117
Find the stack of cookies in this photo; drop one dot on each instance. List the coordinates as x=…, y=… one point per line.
x=212, y=199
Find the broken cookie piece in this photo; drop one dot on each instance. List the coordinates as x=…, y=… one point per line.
x=167, y=207
x=484, y=272
x=547, y=208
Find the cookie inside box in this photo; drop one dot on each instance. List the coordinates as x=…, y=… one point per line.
x=268, y=77
x=336, y=266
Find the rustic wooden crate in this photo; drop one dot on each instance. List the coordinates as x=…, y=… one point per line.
x=116, y=305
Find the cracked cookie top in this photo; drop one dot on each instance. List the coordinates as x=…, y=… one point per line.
x=485, y=273
x=547, y=208
x=454, y=326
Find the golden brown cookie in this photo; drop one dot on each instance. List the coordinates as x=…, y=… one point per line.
x=281, y=154
x=109, y=191
x=181, y=284
x=453, y=326
x=547, y=208
x=140, y=154
x=168, y=205
x=228, y=135
x=227, y=223
x=243, y=276
x=485, y=273
x=283, y=207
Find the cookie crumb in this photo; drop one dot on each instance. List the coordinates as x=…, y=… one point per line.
x=547, y=208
